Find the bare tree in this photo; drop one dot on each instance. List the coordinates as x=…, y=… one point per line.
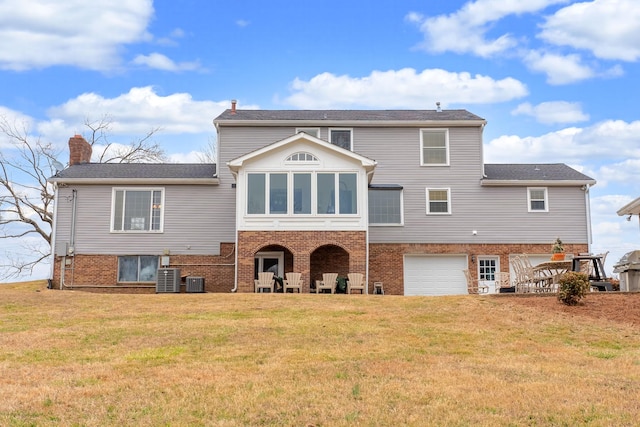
x=209, y=153
x=26, y=198
x=141, y=150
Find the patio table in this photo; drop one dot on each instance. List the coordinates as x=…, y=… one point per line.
x=551, y=270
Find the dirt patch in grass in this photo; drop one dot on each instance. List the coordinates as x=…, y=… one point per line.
x=623, y=307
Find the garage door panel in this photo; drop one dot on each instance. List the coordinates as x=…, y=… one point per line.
x=434, y=274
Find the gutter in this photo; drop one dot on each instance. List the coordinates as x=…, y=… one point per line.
x=534, y=183
x=146, y=181
x=362, y=123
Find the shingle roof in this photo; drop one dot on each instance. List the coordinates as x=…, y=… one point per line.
x=533, y=172
x=137, y=171
x=347, y=115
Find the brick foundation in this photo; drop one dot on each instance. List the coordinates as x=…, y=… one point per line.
x=386, y=261
x=312, y=253
x=98, y=273
x=308, y=252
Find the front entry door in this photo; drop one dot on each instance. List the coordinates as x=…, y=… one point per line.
x=488, y=266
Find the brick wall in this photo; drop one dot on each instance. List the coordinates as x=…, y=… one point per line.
x=100, y=272
x=386, y=261
x=313, y=253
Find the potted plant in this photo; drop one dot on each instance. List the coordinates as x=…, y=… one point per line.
x=557, y=250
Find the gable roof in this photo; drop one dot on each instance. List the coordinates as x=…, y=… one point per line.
x=547, y=174
x=138, y=173
x=365, y=162
x=361, y=117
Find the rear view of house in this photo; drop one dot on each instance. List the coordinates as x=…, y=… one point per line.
x=403, y=197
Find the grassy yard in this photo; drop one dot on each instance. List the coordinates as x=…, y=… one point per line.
x=76, y=358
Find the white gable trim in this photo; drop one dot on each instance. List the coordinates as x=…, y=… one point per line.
x=367, y=163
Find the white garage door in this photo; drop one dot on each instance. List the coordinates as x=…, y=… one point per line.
x=434, y=274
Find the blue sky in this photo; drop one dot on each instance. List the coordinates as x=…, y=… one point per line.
x=555, y=79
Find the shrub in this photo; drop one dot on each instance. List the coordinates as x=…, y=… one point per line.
x=572, y=287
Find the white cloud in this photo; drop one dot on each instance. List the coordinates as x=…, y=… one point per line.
x=465, y=30
x=607, y=28
x=39, y=33
x=606, y=141
x=139, y=110
x=560, y=69
x=553, y=112
x=161, y=62
x=402, y=89
x=242, y=23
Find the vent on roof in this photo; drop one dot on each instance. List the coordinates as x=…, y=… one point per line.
x=168, y=280
x=195, y=284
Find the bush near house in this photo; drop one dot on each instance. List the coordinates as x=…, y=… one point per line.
x=572, y=287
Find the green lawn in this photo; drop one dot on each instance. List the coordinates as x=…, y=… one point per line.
x=77, y=358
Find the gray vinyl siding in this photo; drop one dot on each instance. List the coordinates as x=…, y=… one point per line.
x=191, y=224
x=499, y=214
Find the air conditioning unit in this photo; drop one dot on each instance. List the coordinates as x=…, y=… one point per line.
x=195, y=284
x=168, y=280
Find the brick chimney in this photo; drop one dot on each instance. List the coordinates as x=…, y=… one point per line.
x=79, y=150
x=233, y=106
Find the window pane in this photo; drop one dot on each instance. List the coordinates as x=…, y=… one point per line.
x=348, y=193
x=341, y=138
x=148, y=268
x=302, y=193
x=278, y=193
x=434, y=147
x=537, y=194
x=537, y=205
x=128, y=269
x=438, y=201
x=137, y=210
x=255, y=193
x=385, y=206
x=117, y=210
x=326, y=193
x=156, y=210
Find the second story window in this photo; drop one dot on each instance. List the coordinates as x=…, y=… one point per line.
x=434, y=147
x=438, y=201
x=137, y=210
x=310, y=131
x=271, y=193
x=537, y=199
x=341, y=138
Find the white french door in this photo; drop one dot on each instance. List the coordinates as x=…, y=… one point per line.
x=488, y=266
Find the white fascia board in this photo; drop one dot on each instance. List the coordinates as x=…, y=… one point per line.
x=236, y=164
x=632, y=208
x=136, y=181
x=353, y=123
x=534, y=183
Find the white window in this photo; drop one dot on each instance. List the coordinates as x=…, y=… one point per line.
x=385, y=206
x=137, y=268
x=274, y=190
x=438, y=201
x=310, y=131
x=302, y=157
x=434, y=147
x=137, y=210
x=537, y=199
x=341, y=138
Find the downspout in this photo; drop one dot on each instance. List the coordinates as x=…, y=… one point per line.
x=71, y=249
x=235, y=280
x=72, y=238
x=53, y=236
x=587, y=202
x=366, y=249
